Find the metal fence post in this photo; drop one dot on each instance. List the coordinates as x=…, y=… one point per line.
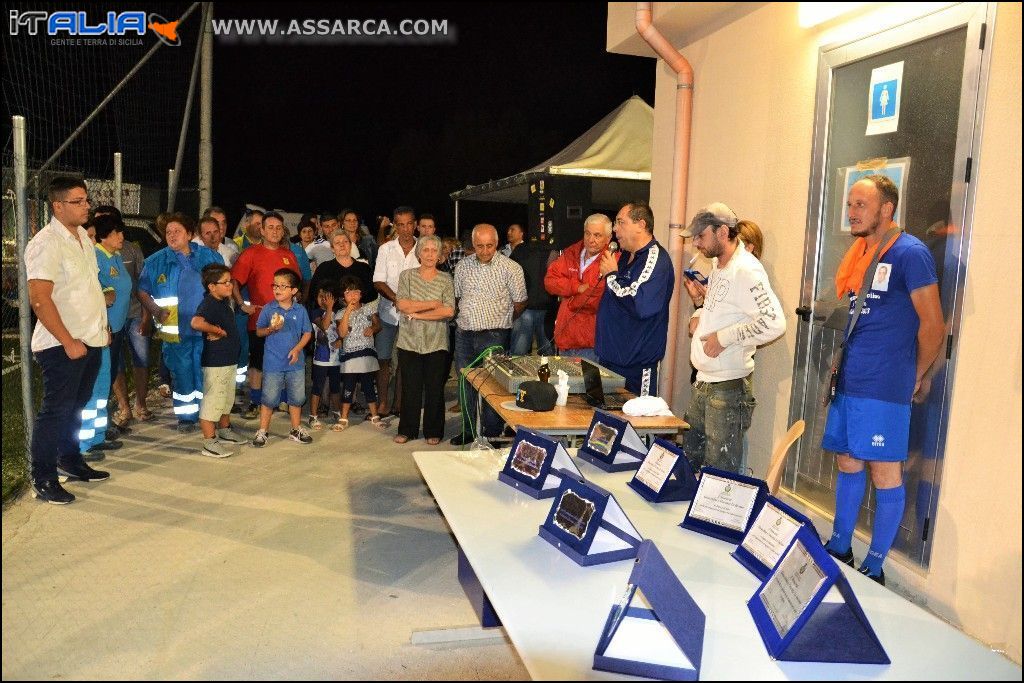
x=24, y=308
x=117, y=180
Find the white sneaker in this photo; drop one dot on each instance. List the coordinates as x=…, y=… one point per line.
x=300, y=435
x=260, y=440
x=214, y=449
x=315, y=423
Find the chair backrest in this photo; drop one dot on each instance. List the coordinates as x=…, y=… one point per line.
x=778, y=461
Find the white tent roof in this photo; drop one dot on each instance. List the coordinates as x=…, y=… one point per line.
x=617, y=148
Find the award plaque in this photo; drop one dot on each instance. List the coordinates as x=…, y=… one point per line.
x=536, y=464
x=612, y=444
x=725, y=504
x=587, y=524
x=665, y=474
x=769, y=536
x=796, y=624
x=656, y=629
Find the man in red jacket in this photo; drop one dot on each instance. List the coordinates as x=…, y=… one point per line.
x=575, y=277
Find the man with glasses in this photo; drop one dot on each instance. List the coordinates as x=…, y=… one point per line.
x=255, y=270
x=71, y=331
x=393, y=257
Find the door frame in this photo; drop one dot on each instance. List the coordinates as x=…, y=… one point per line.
x=979, y=18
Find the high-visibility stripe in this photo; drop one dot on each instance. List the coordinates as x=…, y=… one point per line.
x=100, y=423
x=166, y=301
x=101, y=403
x=89, y=414
x=169, y=329
x=190, y=409
x=86, y=434
x=180, y=397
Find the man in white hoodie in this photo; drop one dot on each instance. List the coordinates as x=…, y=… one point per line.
x=736, y=312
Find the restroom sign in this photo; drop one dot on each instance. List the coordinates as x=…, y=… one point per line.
x=884, y=97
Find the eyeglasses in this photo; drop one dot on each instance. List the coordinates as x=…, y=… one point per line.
x=225, y=282
x=277, y=286
x=75, y=202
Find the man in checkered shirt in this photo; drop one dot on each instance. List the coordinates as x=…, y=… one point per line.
x=490, y=290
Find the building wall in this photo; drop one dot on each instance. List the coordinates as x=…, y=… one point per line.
x=753, y=119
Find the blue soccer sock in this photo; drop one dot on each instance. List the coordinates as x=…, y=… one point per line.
x=888, y=515
x=256, y=396
x=849, y=494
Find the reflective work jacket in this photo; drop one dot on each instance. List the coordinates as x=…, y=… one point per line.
x=176, y=289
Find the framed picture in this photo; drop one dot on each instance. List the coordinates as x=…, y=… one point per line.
x=897, y=171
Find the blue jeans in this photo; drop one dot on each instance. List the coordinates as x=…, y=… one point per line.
x=719, y=416
x=292, y=383
x=67, y=387
x=526, y=329
x=469, y=345
x=138, y=344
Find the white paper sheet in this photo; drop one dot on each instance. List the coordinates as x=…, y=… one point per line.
x=723, y=502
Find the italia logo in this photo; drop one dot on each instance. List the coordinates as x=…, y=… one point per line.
x=162, y=279
x=878, y=441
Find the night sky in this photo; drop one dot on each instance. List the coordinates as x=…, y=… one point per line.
x=377, y=125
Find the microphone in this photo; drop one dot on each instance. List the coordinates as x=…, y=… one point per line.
x=612, y=248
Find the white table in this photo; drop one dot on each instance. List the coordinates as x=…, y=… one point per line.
x=553, y=610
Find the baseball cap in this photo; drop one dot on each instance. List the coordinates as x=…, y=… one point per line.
x=537, y=396
x=711, y=215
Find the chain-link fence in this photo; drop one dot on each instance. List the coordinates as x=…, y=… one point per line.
x=84, y=99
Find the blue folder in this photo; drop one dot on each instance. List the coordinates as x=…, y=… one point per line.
x=629, y=646
x=716, y=530
x=823, y=632
x=751, y=561
x=612, y=444
x=588, y=525
x=536, y=464
x=681, y=483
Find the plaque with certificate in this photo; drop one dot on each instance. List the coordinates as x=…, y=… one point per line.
x=586, y=523
x=769, y=536
x=725, y=504
x=665, y=474
x=536, y=464
x=794, y=621
x=656, y=629
x=612, y=443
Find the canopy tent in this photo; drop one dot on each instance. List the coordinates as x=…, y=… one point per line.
x=615, y=154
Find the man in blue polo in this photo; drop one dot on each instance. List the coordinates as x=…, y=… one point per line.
x=895, y=340
x=632, y=320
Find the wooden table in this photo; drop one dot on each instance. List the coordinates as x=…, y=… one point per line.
x=572, y=419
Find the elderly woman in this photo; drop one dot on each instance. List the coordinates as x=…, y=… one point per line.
x=426, y=301
x=341, y=266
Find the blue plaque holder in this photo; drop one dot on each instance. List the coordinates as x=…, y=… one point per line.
x=681, y=483
x=824, y=632
x=747, y=559
x=624, y=452
x=627, y=646
x=716, y=530
x=526, y=476
x=588, y=525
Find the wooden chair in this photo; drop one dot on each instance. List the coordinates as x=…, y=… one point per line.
x=778, y=461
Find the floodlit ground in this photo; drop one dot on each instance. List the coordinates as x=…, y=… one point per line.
x=298, y=562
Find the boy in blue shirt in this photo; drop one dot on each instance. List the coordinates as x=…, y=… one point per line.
x=216, y=321
x=287, y=329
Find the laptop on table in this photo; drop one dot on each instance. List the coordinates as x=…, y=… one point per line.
x=595, y=395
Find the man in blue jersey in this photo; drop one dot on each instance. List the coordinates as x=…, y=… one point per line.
x=632, y=320
x=893, y=343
